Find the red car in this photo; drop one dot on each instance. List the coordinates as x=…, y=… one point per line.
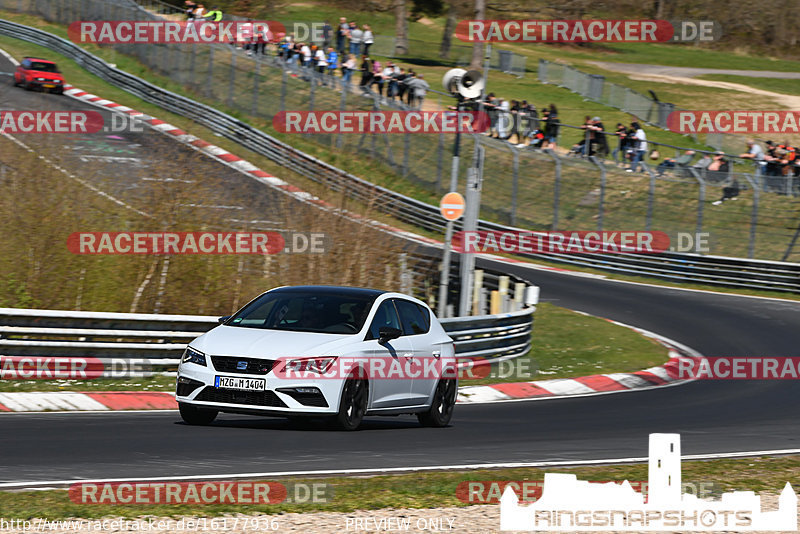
x=38, y=73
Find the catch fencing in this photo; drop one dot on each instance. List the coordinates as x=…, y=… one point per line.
x=527, y=187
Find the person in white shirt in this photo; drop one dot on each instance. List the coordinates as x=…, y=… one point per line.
x=367, y=38
x=305, y=51
x=321, y=60
x=640, y=147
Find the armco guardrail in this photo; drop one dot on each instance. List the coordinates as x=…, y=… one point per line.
x=131, y=344
x=712, y=270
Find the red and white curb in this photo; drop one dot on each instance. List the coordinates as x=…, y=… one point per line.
x=680, y=356
x=62, y=401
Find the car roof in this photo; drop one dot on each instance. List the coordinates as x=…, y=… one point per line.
x=330, y=290
x=40, y=59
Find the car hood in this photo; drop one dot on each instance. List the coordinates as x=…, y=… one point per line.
x=48, y=75
x=271, y=344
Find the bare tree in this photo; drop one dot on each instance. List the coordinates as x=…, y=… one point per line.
x=400, y=27
x=477, y=47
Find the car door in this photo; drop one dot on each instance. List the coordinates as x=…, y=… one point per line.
x=388, y=390
x=426, y=366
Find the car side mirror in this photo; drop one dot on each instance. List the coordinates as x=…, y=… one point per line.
x=222, y=320
x=387, y=333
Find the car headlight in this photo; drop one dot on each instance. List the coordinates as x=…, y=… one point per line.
x=310, y=365
x=193, y=356
x=39, y=79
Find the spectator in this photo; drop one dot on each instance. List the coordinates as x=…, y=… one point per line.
x=355, y=39
x=681, y=161
x=384, y=77
x=729, y=192
x=640, y=149
x=703, y=164
x=417, y=88
x=504, y=119
x=400, y=84
x=347, y=69
x=585, y=144
x=367, y=38
x=756, y=153
x=342, y=32
x=321, y=60
x=199, y=12
x=333, y=60
x=599, y=136
x=305, y=54
x=623, y=142
x=366, y=74
x=551, y=122
x=530, y=118
x=718, y=168
x=326, y=35
x=188, y=9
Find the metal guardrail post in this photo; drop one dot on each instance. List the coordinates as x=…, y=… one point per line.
x=256, y=79
x=701, y=198
x=556, y=186
x=651, y=194
x=514, y=183
x=751, y=245
x=602, y=200
x=232, y=77
x=210, y=73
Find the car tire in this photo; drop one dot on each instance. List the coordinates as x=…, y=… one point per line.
x=194, y=415
x=353, y=404
x=27, y=86
x=441, y=410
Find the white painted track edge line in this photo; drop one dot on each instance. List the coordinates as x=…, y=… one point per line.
x=415, y=469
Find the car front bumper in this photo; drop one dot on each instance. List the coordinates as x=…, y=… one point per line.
x=196, y=386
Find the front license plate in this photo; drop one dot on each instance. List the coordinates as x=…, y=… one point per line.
x=237, y=382
x=49, y=86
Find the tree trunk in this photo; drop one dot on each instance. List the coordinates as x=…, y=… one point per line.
x=449, y=28
x=400, y=28
x=477, y=48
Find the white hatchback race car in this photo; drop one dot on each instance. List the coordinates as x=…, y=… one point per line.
x=339, y=352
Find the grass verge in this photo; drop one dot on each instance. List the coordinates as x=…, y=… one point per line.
x=418, y=490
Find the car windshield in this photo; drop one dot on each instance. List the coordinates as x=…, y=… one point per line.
x=306, y=311
x=43, y=67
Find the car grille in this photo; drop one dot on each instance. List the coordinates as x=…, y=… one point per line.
x=255, y=366
x=307, y=399
x=235, y=396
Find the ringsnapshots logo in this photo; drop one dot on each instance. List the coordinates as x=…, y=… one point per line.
x=734, y=122
x=167, y=32
x=587, y=31
x=66, y=122
x=567, y=504
x=381, y=122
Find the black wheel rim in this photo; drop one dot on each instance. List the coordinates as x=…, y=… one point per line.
x=354, y=400
x=445, y=398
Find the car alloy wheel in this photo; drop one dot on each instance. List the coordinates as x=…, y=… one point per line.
x=441, y=410
x=353, y=405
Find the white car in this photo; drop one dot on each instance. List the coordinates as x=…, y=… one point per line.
x=340, y=352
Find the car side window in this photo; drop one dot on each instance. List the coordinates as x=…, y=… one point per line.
x=412, y=318
x=385, y=315
x=26, y=63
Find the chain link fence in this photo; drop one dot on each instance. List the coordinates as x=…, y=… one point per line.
x=523, y=186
